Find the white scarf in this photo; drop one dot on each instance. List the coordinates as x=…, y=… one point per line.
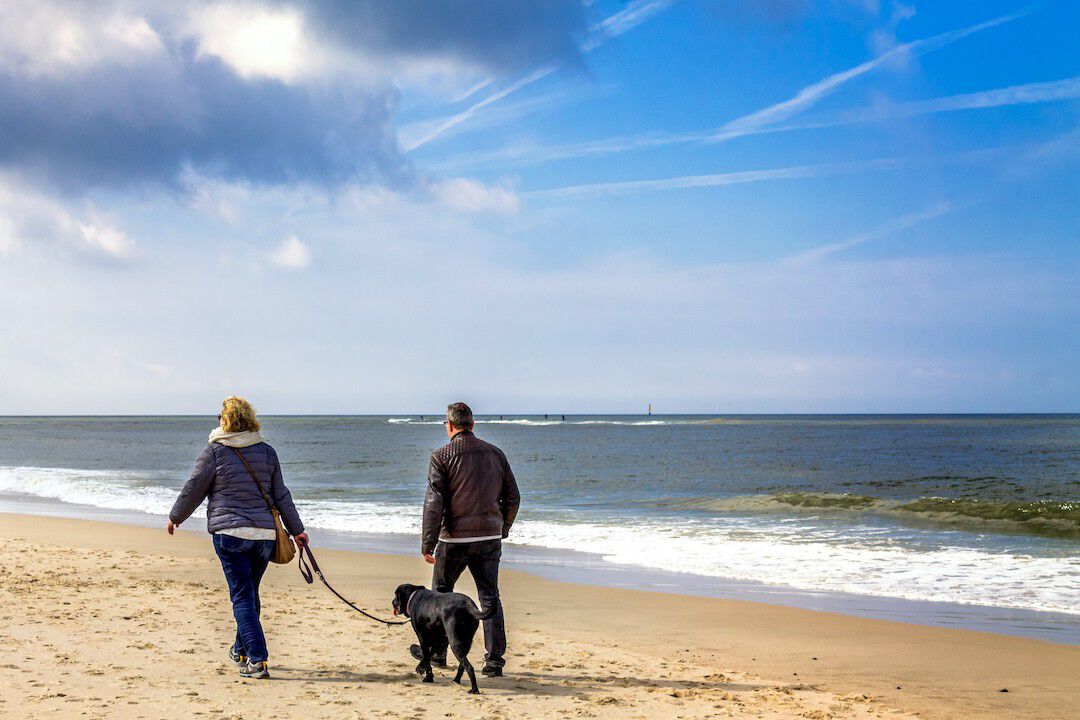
x=237, y=439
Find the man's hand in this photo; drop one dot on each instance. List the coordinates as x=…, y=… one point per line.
x=429, y=558
x=170, y=527
x=301, y=539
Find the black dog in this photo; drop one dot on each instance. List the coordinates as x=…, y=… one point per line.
x=441, y=619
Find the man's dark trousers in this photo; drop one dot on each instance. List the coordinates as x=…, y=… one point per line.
x=482, y=559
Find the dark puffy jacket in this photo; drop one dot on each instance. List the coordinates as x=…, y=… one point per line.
x=471, y=492
x=235, y=500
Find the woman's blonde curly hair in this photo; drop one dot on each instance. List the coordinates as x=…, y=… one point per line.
x=238, y=415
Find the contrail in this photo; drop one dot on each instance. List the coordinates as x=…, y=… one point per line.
x=732, y=178
x=1031, y=93
x=796, y=172
x=811, y=94
x=896, y=225
x=613, y=26
x=468, y=112
x=1027, y=94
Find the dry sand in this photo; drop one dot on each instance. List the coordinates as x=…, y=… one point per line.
x=111, y=621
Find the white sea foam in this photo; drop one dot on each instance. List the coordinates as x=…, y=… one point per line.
x=522, y=421
x=780, y=551
x=639, y=423
x=805, y=557
x=113, y=489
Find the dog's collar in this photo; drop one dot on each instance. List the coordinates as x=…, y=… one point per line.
x=408, y=603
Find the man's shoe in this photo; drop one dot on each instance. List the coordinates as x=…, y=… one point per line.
x=255, y=671
x=492, y=671
x=417, y=653
x=237, y=659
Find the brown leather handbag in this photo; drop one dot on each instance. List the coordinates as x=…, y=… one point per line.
x=284, y=550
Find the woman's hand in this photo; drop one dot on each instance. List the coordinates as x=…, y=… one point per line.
x=170, y=527
x=301, y=539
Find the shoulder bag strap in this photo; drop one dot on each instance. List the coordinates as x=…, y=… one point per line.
x=251, y=471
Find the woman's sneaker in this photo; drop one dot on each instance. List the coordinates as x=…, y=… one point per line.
x=255, y=671
x=237, y=659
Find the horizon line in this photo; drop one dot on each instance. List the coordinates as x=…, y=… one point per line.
x=512, y=415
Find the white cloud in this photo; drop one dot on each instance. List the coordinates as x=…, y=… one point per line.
x=259, y=40
x=291, y=254
x=9, y=235
x=850, y=334
x=465, y=195
x=255, y=41
x=29, y=219
x=104, y=239
x=43, y=39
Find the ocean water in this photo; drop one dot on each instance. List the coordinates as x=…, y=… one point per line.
x=969, y=511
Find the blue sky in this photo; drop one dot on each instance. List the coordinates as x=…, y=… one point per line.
x=785, y=206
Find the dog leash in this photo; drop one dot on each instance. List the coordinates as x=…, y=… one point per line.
x=306, y=572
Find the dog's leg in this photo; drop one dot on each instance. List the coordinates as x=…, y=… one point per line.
x=474, y=690
x=455, y=646
x=429, y=677
x=460, y=636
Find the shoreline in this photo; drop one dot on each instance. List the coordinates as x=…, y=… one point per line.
x=573, y=647
x=591, y=569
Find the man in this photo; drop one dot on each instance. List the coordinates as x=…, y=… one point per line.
x=472, y=499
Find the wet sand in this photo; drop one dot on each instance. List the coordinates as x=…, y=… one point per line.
x=102, y=620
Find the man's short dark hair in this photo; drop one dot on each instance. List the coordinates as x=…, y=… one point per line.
x=459, y=415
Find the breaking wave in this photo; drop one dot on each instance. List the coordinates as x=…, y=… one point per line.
x=1050, y=518
x=769, y=548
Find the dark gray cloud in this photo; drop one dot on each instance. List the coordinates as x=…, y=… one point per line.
x=498, y=35
x=118, y=123
x=122, y=126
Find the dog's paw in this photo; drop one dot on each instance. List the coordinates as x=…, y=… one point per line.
x=429, y=678
x=474, y=691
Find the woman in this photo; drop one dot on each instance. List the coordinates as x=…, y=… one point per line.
x=238, y=517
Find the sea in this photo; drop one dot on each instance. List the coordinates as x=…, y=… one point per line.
x=968, y=521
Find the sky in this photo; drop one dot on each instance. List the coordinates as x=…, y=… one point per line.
x=544, y=206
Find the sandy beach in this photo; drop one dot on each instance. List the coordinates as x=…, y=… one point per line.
x=113, y=621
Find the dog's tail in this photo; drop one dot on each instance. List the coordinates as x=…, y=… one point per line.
x=482, y=614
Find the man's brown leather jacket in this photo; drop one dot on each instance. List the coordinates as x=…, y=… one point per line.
x=471, y=492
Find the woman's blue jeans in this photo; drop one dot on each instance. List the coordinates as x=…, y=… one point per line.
x=244, y=562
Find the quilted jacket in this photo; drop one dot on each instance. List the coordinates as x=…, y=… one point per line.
x=234, y=499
